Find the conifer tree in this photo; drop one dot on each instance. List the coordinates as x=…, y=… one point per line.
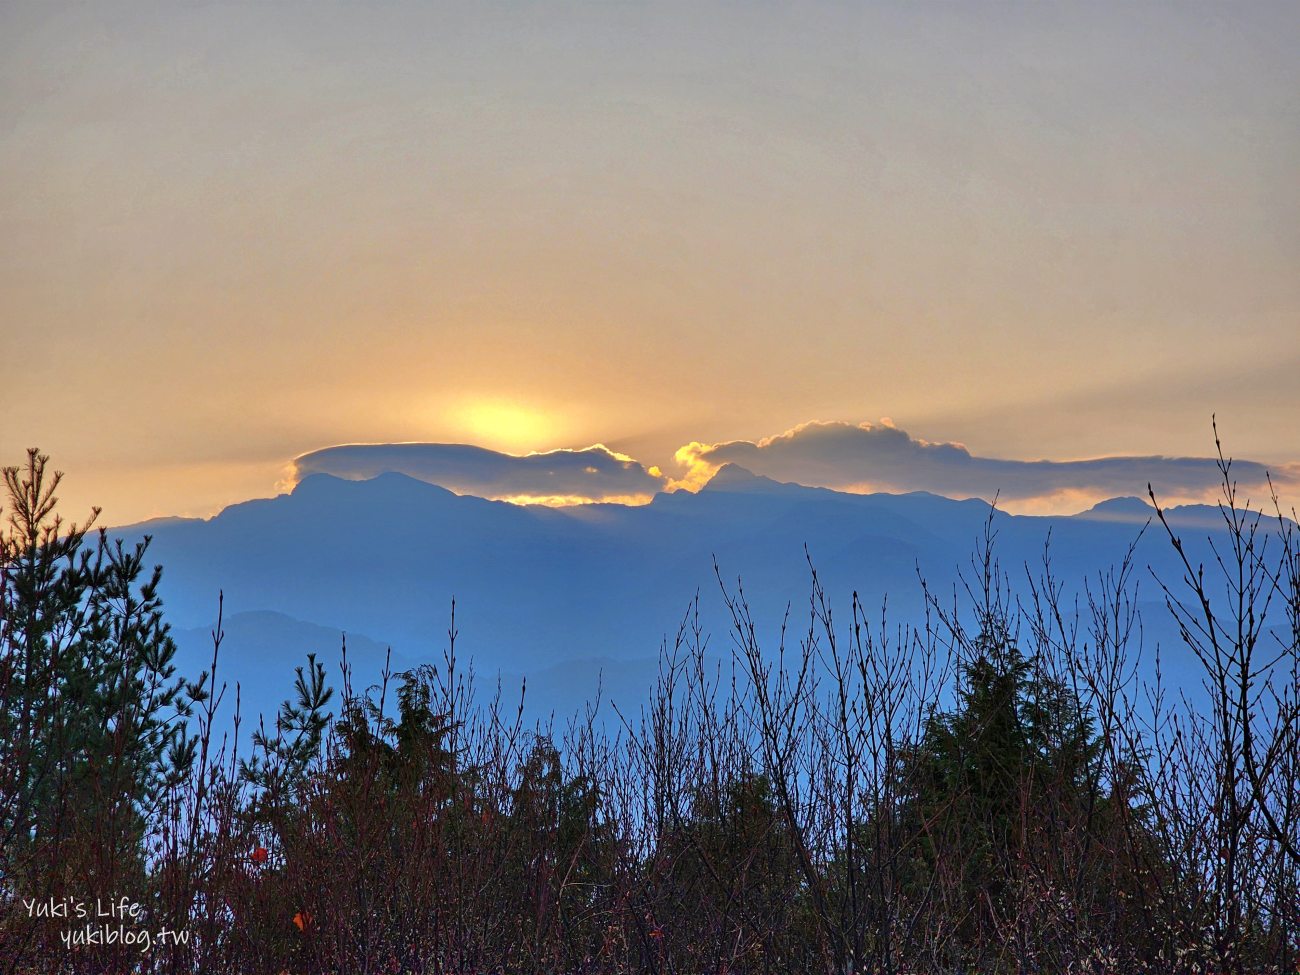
x=90, y=729
x=1015, y=750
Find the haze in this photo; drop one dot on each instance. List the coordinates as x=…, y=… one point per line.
x=234, y=235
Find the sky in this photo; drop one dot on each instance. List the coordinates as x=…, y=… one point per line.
x=233, y=236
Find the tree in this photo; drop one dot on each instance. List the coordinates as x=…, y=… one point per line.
x=1013, y=762
x=91, y=735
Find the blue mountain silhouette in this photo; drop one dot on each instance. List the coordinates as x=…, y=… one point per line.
x=573, y=596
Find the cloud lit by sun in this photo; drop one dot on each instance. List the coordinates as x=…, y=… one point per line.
x=557, y=478
x=697, y=470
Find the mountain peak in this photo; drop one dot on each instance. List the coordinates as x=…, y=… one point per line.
x=1119, y=509
x=388, y=481
x=734, y=478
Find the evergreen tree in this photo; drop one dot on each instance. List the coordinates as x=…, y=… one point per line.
x=1016, y=752
x=90, y=705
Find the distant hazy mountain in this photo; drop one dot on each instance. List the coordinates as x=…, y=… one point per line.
x=263, y=647
x=568, y=596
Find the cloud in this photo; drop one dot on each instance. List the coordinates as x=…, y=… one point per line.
x=881, y=457
x=852, y=457
x=594, y=473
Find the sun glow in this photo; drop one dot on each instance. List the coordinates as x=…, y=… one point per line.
x=576, y=500
x=504, y=425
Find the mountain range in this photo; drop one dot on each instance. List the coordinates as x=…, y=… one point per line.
x=582, y=596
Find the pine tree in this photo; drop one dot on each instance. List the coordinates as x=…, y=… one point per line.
x=1016, y=751
x=91, y=730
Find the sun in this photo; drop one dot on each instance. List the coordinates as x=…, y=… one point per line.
x=504, y=425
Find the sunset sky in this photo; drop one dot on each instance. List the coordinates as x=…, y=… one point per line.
x=234, y=235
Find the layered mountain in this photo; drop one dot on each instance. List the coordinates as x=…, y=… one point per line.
x=573, y=596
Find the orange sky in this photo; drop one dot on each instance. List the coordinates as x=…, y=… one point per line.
x=235, y=234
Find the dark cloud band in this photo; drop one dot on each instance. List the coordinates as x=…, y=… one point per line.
x=881, y=457
x=559, y=476
x=843, y=456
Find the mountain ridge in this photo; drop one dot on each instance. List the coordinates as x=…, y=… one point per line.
x=539, y=588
